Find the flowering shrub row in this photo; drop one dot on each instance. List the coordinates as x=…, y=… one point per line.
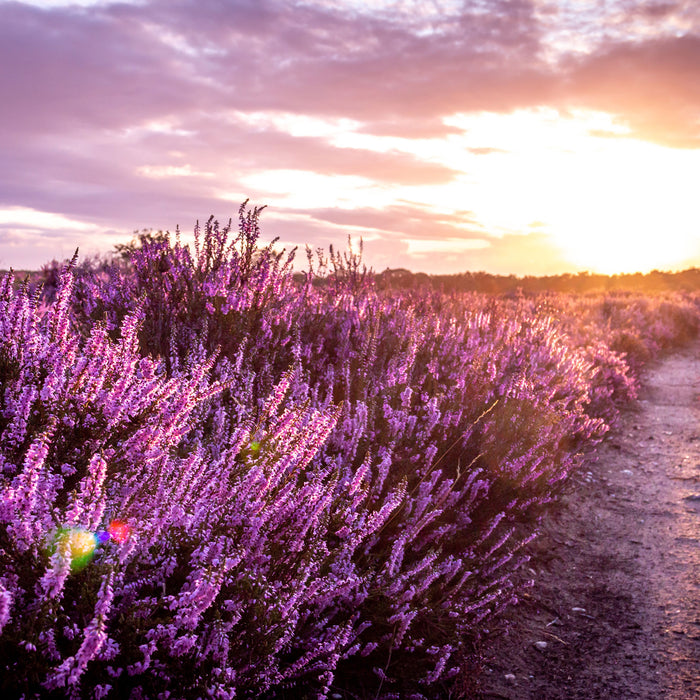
x=219, y=480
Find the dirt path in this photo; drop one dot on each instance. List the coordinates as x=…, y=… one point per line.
x=617, y=572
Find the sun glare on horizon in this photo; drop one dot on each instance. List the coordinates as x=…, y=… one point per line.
x=628, y=207
x=604, y=201
x=610, y=203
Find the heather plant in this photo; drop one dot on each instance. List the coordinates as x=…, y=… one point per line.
x=80, y=419
x=642, y=327
x=220, y=295
x=220, y=480
x=120, y=531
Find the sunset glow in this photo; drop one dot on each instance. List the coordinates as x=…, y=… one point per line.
x=607, y=201
x=516, y=136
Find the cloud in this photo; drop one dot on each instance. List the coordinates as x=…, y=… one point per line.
x=530, y=254
x=31, y=237
x=69, y=70
x=652, y=87
x=406, y=221
x=128, y=63
x=281, y=151
x=409, y=128
x=418, y=239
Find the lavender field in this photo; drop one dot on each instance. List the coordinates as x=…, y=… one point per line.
x=221, y=479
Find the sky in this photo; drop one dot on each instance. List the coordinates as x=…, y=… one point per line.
x=522, y=137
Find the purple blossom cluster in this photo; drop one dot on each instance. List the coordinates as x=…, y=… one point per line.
x=312, y=484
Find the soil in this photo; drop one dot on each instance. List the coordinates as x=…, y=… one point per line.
x=616, y=594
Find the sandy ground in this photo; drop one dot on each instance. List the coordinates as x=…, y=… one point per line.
x=615, y=609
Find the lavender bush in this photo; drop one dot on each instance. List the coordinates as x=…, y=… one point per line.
x=222, y=480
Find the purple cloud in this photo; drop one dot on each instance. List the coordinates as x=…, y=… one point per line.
x=653, y=87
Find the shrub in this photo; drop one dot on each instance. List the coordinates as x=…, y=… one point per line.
x=220, y=480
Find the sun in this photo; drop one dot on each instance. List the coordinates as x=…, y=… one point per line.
x=608, y=202
x=628, y=207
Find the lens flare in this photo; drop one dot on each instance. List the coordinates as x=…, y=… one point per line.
x=80, y=543
x=118, y=531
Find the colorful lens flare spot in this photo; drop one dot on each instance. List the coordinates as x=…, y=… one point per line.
x=80, y=543
x=118, y=531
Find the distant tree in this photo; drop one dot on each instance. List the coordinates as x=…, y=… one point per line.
x=140, y=240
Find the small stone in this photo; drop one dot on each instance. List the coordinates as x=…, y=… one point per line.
x=510, y=677
x=540, y=645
